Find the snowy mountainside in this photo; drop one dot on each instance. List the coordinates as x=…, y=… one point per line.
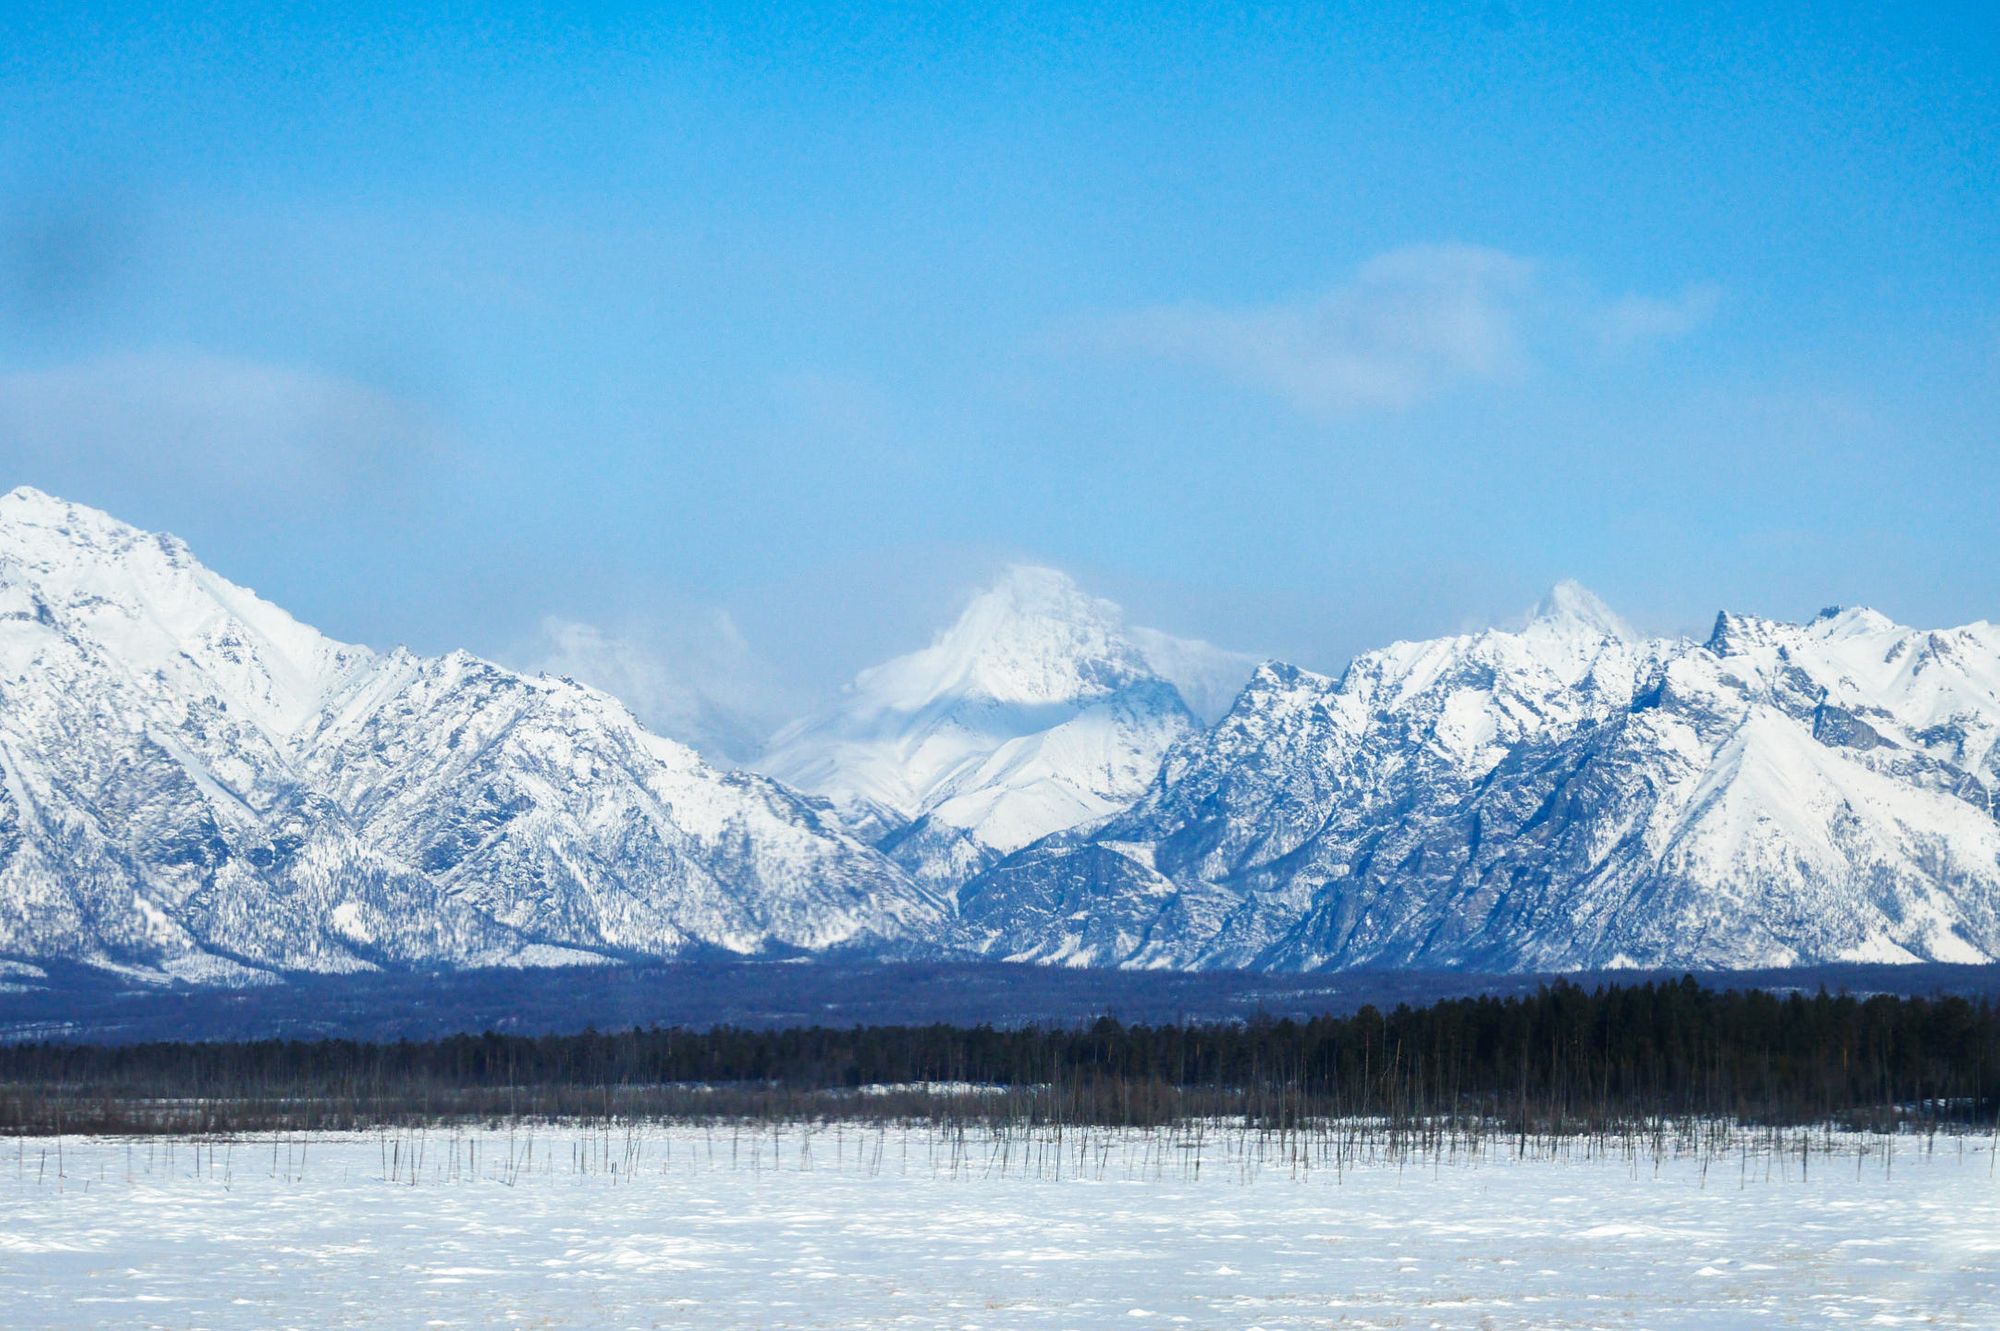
x=1562, y=795
x=549, y=808
x=1038, y=710
x=196, y=784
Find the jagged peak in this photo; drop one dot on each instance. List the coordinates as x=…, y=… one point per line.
x=25, y=502
x=169, y=612
x=1737, y=632
x=1274, y=673
x=57, y=538
x=1031, y=635
x=1849, y=621
x=1272, y=680
x=60, y=539
x=1574, y=610
x=1733, y=631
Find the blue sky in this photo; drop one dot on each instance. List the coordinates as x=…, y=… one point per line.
x=1296, y=331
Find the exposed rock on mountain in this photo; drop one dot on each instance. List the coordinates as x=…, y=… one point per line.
x=1559, y=796
x=196, y=784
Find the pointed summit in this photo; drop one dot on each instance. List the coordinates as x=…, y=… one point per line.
x=1574, y=610
x=1037, y=709
x=1032, y=636
x=24, y=503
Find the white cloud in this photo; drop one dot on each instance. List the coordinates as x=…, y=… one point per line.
x=1633, y=319
x=1408, y=325
x=194, y=417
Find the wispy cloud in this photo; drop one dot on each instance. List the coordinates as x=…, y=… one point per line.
x=178, y=417
x=1411, y=322
x=1633, y=319
x=1408, y=325
x=686, y=671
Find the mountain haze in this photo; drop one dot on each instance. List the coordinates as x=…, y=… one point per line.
x=1037, y=710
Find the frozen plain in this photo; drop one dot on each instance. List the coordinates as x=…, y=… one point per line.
x=907, y=1227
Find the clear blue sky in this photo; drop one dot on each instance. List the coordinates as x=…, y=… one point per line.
x=1297, y=332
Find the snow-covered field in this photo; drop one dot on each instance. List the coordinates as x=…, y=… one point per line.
x=907, y=1228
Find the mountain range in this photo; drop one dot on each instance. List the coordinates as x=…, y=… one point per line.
x=195, y=785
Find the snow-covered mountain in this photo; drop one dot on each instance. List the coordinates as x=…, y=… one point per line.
x=194, y=783
x=1037, y=711
x=1557, y=796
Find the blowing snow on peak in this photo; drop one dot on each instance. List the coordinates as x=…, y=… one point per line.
x=1572, y=608
x=1037, y=709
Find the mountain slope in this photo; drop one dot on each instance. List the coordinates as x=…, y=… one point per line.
x=153, y=814
x=549, y=808
x=196, y=784
x=1558, y=796
x=1036, y=711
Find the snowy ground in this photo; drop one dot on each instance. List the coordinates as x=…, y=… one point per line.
x=709, y=1228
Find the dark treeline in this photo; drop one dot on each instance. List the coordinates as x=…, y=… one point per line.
x=1561, y=1059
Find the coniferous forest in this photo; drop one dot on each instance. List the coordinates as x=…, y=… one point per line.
x=1564, y=1059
